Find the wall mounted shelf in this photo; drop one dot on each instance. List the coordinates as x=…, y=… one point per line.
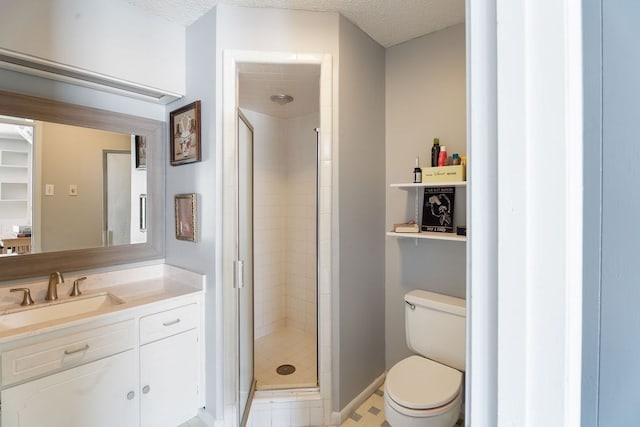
x=429, y=235
x=409, y=185
x=452, y=237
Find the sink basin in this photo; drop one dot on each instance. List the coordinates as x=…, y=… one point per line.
x=58, y=310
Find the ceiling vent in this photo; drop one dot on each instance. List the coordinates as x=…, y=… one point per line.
x=15, y=61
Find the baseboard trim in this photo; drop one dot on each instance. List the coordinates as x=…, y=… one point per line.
x=341, y=416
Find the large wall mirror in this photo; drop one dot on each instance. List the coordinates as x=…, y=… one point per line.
x=80, y=188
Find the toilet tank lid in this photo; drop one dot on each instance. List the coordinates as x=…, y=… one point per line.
x=440, y=302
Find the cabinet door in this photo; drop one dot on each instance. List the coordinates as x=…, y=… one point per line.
x=99, y=394
x=169, y=380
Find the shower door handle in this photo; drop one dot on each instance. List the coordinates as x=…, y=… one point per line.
x=239, y=274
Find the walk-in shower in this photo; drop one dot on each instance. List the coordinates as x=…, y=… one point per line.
x=282, y=104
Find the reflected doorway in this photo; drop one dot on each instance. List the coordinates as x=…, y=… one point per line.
x=117, y=197
x=16, y=207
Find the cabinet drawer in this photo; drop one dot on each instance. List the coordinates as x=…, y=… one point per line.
x=45, y=357
x=167, y=323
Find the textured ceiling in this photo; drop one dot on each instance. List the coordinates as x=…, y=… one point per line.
x=389, y=22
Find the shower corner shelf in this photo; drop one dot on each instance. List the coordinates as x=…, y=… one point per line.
x=452, y=237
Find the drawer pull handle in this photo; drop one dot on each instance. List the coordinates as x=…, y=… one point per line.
x=131, y=395
x=173, y=322
x=146, y=389
x=78, y=350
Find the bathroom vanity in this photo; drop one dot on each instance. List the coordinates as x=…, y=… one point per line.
x=126, y=352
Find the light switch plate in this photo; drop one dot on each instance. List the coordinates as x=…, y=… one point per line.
x=73, y=190
x=48, y=189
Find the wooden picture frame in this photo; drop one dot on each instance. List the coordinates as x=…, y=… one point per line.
x=141, y=152
x=184, y=139
x=185, y=205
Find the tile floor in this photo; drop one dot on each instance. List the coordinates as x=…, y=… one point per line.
x=371, y=413
x=285, y=346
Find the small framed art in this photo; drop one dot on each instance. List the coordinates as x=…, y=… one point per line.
x=186, y=217
x=185, y=144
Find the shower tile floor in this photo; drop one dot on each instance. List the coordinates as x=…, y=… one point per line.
x=285, y=346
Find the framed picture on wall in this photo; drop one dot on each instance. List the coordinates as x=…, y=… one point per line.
x=141, y=152
x=438, y=209
x=185, y=205
x=184, y=125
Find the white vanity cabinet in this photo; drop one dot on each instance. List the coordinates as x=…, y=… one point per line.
x=169, y=367
x=67, y=380
x=102, y=391
x=137, y=367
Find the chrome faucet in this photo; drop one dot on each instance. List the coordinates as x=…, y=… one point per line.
x=52, y=291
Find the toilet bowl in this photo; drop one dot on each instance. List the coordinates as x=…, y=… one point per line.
x=422, y=393
x=426, y=389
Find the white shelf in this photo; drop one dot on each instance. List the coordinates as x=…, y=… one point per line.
x=10, y=158
x=430, y=184
x=429, y=235
x=13, y=166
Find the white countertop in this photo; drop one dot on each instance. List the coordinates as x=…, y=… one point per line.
x=136, y=287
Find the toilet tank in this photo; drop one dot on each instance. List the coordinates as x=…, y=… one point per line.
x=435, y=327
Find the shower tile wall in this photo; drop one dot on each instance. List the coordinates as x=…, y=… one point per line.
x=301, y=217
x=284, y=240
x=269, y=223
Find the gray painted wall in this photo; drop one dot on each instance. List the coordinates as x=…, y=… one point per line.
x=359, y=336
x=592, y=220
x=198, y=178
x=425, y=98
x=618, y=399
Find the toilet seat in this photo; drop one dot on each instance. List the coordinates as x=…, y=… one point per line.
x=420, y=384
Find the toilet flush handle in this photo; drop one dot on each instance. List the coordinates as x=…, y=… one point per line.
x=411, y=306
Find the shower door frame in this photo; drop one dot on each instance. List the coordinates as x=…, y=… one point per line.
x=227, y=367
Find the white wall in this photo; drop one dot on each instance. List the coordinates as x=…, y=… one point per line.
x=425, y=98
x=133, y=44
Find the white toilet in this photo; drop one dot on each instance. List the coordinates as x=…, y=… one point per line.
x=426, y=390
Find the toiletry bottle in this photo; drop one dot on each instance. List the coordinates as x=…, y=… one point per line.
x=417, y=172
x=456, y=160
x=442, y=158
x=435, y=152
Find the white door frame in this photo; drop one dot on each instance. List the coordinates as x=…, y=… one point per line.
x=227, y=328
x=533, y=319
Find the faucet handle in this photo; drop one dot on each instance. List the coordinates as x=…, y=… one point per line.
x=76, y=289
x=26, y=299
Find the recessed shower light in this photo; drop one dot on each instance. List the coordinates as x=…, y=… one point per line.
x=282, y=98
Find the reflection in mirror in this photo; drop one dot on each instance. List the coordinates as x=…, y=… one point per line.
x=53, y=178
x=67, y=187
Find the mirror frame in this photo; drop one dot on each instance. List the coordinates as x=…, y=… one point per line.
x=40, y=264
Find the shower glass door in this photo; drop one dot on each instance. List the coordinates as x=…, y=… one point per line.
x=244, y=273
